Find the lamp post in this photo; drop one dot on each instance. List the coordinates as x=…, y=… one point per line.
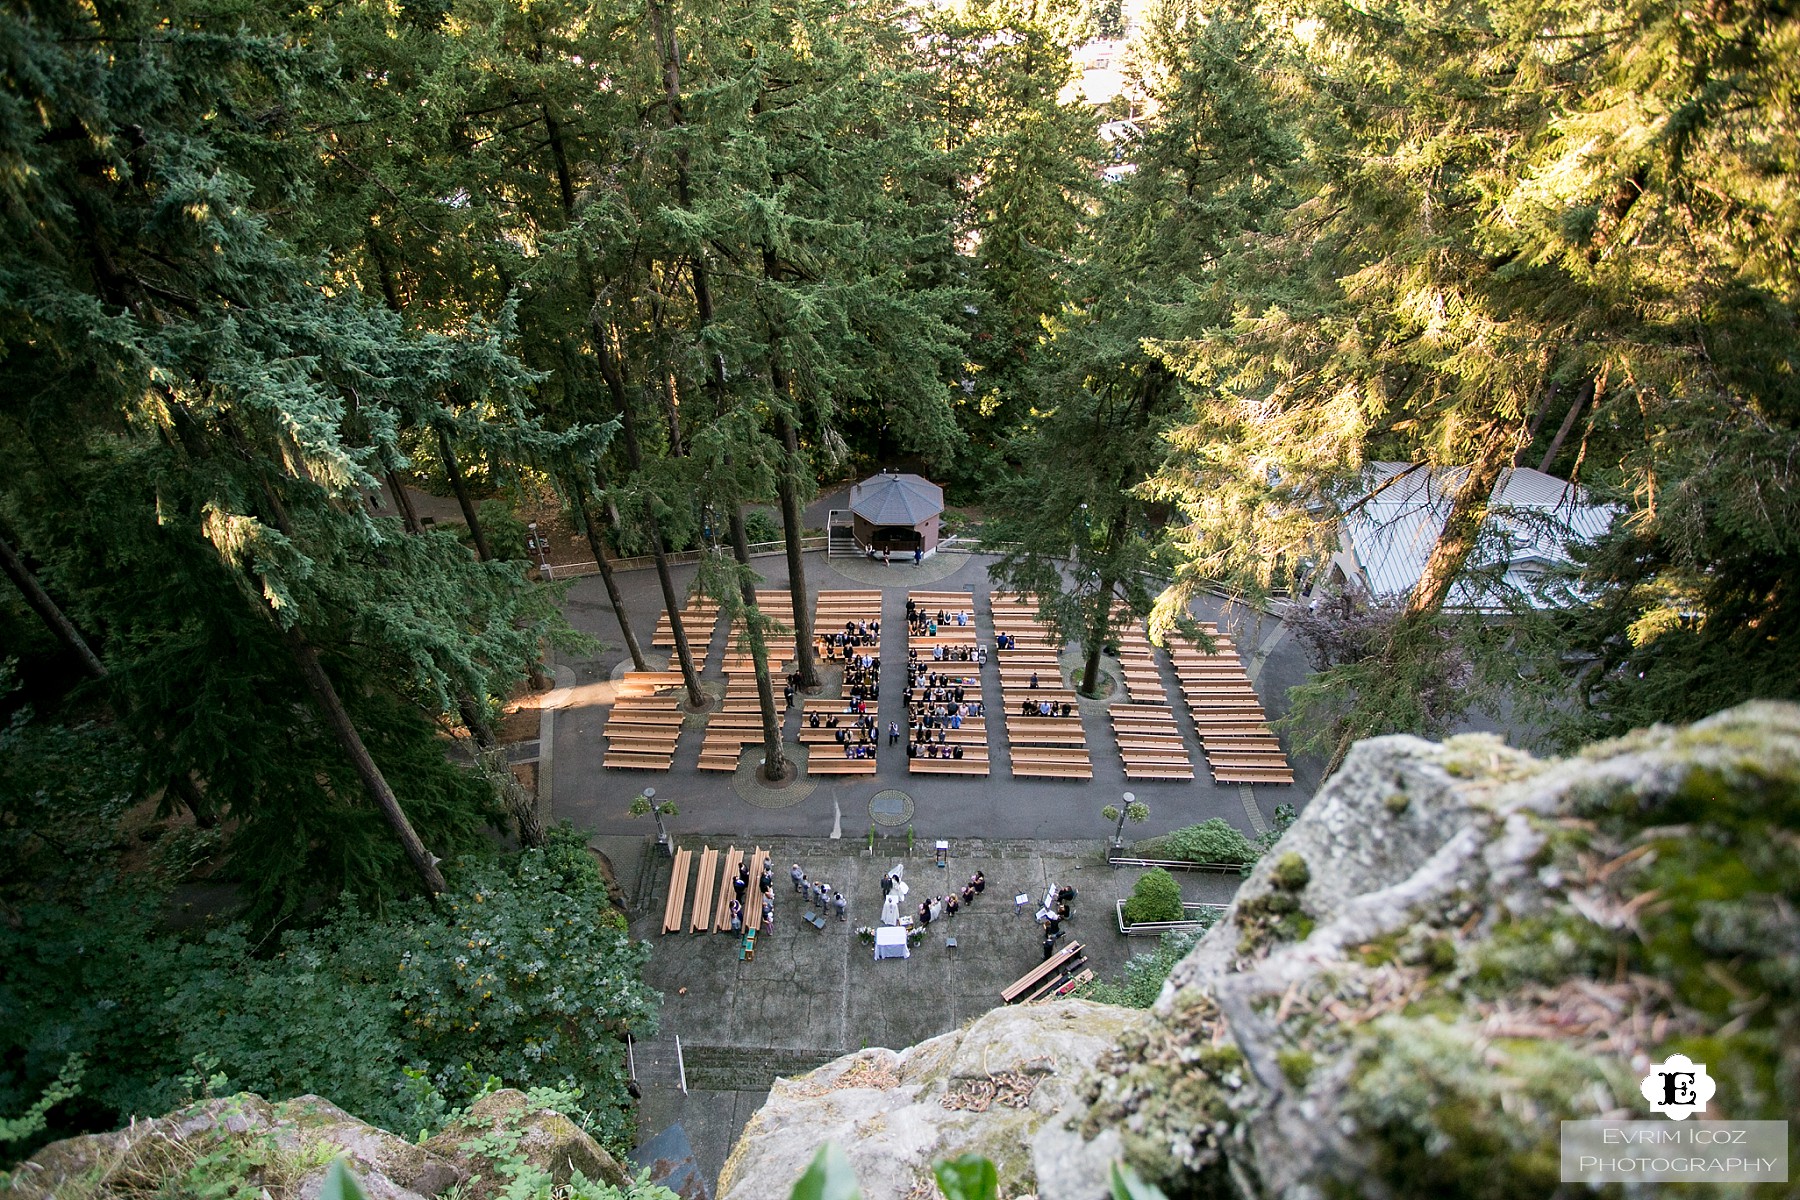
x=1128, y=810
x=645, y=802
x=541, y=547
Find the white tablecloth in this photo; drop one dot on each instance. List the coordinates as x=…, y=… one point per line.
x=890, y=942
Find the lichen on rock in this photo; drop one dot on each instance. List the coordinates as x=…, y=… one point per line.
x=1455, y=947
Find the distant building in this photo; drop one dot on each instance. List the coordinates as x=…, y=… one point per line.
x=1384, y=542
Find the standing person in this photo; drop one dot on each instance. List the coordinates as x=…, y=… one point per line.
x=737, y=915
x=788, y=695
x=887, y=558
x=924, y=913
x=1049, y=946
x=799, y=878
x=768, y=921
x=918, y=555
x=893, y=732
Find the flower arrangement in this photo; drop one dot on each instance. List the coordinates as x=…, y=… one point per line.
x=867, y=934
x=915, y=935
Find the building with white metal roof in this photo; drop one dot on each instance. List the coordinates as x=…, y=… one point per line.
x=1388, y=534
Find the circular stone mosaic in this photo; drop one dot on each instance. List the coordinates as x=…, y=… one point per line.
x=747, y=780
x=891, y=807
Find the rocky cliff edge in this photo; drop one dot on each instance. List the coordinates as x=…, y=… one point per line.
x=1455, y=947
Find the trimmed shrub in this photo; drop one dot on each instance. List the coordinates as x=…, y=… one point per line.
x=1214, y=841
x=1157, y=897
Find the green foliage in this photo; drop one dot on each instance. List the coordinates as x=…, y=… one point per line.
x=968, y=1177
x=827, y=1177
x=339, y=1183
x=1212, y=841
x=1291, y=872
x=34, y=1120
x=761, y=527
x=517, y=974
x=1145, y=974
x=1155, y=897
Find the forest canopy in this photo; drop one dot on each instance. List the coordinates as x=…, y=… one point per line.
x=266, y=271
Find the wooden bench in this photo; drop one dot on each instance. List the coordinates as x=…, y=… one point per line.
x=703, y=890
x=948, y=766
x=753, y=898
x=827, y=764
x=1051, y=966
x=1247, y=775
x=1052, y=987
x=722, y=902
x=647, y=720
x=621, y=743
x=1172, y=773
x=635, y=761
x=1027, y=769
x=678, y=883
x=1044, y=731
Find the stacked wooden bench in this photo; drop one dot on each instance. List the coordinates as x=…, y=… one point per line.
x=971, y=736
x=698, y=620
x=832, y=609
x=778, y=607
x=641, y=732
x=825, y=756
x=1150, y=742
x=1228, y=714
x=1137, y=666
x=1040, y=747
x=1047, y=977
x=949, y=633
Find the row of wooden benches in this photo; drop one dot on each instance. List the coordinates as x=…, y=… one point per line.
x=712, y=891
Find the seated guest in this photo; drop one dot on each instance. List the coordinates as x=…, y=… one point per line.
x=912, y=750
x=1034, y=679
x=813, y=719
x=956, y=751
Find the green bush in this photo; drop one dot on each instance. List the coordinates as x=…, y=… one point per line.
x=1146, y=973
x=759, y=526
x=1157, y=897
x=1213, y=841
x=519, y=973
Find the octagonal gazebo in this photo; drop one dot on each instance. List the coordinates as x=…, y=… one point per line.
x=897, y=512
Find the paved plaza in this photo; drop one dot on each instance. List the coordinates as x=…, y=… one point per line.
x=810, y=995
x=997, y=806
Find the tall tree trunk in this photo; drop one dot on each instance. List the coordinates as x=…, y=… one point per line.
x=774, y=760
x=51, y=613
x=1462, y=528
x=1096, y=640
x=402, y=500
x=1582, y=395
x=331, y=707
x=374, y=782
x=1101, y=628
x=792, y=530
x=598, y=545
x=475, y=721
x=454, y=473
x=610, y=372
x=672, y=414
